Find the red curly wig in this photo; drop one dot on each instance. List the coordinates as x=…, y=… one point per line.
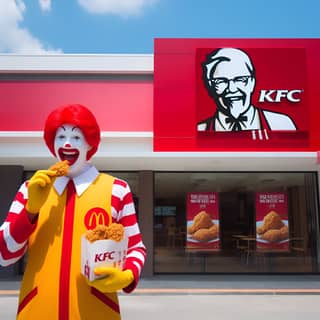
x=77, y=115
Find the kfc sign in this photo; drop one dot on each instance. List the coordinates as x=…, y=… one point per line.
x=231, y=79
x=278, y=95
x=236, y=95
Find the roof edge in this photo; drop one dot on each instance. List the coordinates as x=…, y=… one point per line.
x=77, y=63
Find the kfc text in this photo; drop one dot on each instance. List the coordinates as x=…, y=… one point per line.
x=278, y=95
x=100, y=257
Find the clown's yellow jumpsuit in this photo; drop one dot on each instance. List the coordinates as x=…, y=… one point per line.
x=53, y=286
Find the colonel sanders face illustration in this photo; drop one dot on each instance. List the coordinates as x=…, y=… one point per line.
x=230, y=79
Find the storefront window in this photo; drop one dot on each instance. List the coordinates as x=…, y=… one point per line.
x=257, y=222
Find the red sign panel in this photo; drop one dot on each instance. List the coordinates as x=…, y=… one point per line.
x=272, y=227
x=203, y=221
x=265, y=94
x=236, y=95
x=117, y=105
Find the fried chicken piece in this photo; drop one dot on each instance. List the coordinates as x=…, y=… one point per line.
x=214, y=230
x=261, y=230
x=275, y=235
x=61, y=168
x=98, y=233
x=201, y=221
x=271, y=221
x=284, y=232
x=271, y=235
x=205, y=235
x=114, y=231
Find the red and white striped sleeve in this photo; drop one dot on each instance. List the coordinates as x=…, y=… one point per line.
x=15, y=230
x=123, y=211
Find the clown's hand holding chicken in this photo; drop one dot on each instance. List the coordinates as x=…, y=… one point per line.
x=38, y=190
x=40, y=184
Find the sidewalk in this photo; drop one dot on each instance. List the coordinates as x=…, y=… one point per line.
x=207, y=297
x=220, y=284
x=211, y=284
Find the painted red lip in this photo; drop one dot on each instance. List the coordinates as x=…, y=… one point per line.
x=69, y=154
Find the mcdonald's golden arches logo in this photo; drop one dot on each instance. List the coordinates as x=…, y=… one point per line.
x=96, y=216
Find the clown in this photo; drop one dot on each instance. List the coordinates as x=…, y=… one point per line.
x=48, y=217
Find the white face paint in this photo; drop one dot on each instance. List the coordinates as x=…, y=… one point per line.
x=70, y=144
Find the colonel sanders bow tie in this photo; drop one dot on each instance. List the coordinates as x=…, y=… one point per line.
x=235, y=123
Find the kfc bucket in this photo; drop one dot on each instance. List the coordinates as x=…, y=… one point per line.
x=103, y=246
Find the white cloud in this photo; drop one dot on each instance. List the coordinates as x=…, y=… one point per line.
x=13, y=37
x=117, y=7
x=45, y=5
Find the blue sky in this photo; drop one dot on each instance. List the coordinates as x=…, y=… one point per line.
x=130, y=26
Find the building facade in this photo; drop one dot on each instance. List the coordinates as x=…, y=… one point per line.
x=176, y=125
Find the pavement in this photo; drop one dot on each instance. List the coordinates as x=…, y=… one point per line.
x=210, y=284
x=221, y=297
x=218, y=284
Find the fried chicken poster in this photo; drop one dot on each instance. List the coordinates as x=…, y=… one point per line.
x=272, y=228
x=202, y=221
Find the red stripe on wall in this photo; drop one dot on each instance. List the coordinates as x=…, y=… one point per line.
x=118, y=105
